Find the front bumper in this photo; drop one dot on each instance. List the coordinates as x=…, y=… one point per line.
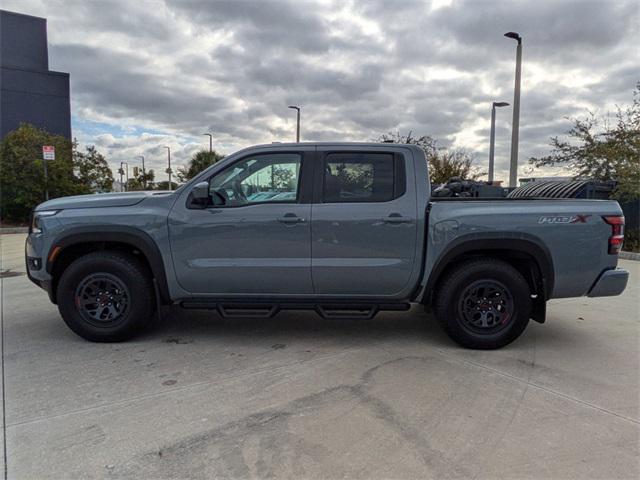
x=610, y=283
x=46, y=285
x=36, y=271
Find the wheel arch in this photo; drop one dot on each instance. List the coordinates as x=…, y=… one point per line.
x=81, y=240
x=526, y=253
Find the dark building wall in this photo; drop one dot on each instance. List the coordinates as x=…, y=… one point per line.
x=29, y=91
x=39, y=98
x=23, y=41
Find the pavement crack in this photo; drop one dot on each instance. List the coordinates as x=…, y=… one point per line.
x=222, y=446
x=167, y=391
x=539, y=387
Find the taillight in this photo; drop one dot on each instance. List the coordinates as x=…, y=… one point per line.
x=617, y=233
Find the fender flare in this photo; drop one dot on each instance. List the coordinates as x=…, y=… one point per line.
x=117, y=233
x=495, y=241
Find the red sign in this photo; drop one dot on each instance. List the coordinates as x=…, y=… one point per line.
x=48, y=152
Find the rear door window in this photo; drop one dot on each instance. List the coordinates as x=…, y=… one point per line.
x=361, y=177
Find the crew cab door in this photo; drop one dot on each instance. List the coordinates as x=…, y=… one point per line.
x=253, y=236
x=364, y=229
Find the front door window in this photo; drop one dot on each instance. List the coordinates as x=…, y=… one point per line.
x=273, y=178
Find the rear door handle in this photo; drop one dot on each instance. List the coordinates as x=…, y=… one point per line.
x=396, y=218
x=290, y=218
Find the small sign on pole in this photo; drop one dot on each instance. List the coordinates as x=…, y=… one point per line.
x=48, y=152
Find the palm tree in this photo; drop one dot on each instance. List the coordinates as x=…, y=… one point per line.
x=199, y=161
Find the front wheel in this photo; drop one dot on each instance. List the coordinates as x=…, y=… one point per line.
x=483, y=304
x=106, y=296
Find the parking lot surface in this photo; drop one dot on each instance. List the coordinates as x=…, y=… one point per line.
x=297, y=396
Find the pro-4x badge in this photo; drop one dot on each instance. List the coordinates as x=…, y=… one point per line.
x=563, y=219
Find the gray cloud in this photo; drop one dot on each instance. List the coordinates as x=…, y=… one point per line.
x=261, y=24
x=178, y=68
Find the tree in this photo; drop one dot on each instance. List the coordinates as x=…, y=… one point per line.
x=597, y=150
x=22, y=180
x=282, y=179
x=199, y=161
x=443, y=163
x=92, y=170
x=164, y=185
x=141, y=181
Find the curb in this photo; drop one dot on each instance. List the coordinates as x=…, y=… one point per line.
x=630, y=256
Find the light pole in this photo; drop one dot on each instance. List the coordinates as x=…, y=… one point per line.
x=144, y=173
x=513, y=167
x=492, y=141
x=46, y=180
x=169, y=165
x=124, y=188
x=297, y=109
x=210, y=141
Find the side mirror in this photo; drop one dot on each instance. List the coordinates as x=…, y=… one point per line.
x=201, y=192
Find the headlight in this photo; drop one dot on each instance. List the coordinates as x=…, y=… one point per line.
x=36, y=224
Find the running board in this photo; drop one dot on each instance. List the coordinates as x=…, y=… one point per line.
x=343, y=311
x=240, y=311
x=262, y=309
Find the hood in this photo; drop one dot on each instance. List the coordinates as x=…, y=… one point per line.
x=124, y=199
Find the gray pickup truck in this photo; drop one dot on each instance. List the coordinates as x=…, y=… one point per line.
x=345, y=229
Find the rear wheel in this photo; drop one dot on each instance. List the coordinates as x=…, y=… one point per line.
x=483, y=304
x=106, y=296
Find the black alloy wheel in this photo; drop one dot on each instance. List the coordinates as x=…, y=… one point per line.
x=102, y=299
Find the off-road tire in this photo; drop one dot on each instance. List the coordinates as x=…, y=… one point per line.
x=450, y=296
x=122, y=269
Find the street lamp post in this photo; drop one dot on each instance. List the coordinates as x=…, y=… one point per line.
x=492, y=141
x=297, y=109
x=144, y=173
x=124, y=188
x=210, y=141
x=169, y=165
x=513, y=167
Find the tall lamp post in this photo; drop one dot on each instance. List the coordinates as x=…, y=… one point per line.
x=297, y=109
x=169, y=165
x=210, y=141
x=492, y=141
x=513, y=167
x=144, y=173
x=121, y=172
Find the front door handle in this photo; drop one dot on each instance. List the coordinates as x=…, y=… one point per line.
x=290, y=218
x=396, y=218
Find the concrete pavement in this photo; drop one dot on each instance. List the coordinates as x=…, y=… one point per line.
x=300, y=397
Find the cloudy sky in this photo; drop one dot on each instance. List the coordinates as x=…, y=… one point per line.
x=150, y=73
